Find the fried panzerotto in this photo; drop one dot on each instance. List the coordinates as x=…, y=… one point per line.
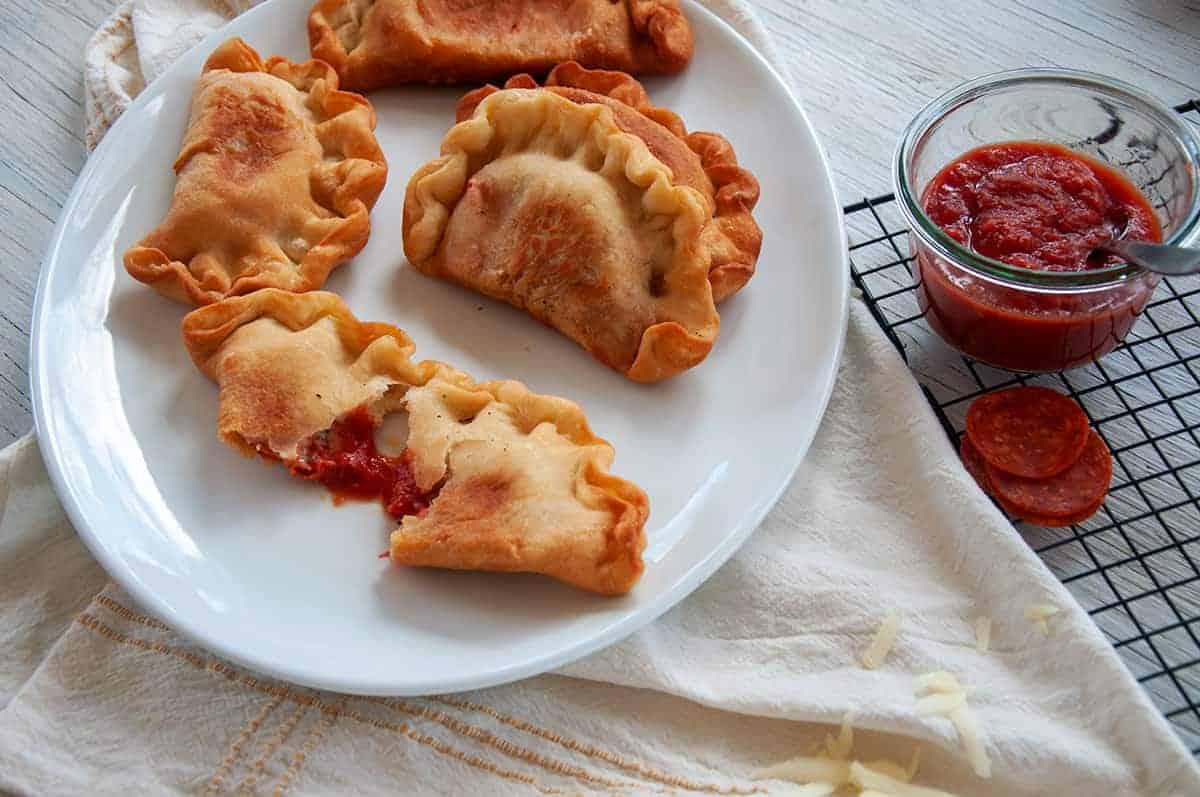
x=377, y=43
x=276, y=178
x=493, y=476
x=592, y=210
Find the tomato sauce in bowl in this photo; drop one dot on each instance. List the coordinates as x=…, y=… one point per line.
x=1040, y=207
x=1007, y=182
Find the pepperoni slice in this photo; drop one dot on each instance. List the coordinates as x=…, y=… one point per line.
x=1034, y=432
x=1053, y=522
x=975, y=464
x=1070, y=497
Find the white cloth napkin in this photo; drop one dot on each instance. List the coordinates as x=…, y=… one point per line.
x=97, y=697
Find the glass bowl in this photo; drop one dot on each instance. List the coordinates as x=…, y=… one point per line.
x=1037, y=321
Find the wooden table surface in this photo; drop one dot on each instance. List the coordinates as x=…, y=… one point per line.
x=861, y=69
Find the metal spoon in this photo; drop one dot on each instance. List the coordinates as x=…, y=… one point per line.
x=1174, y=261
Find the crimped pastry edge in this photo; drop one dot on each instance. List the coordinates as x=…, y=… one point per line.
x=365, y=172
x=667, y=347
x=207, y=328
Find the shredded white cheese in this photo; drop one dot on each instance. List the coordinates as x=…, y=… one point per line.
x=968, y=733
x=882, y=778
x=884, y=638
x=983, y=634
x=840, y=748
x=1039, y=614
x=938, y=682
x=832, y=769
x=941, y=703
x=870, y=781
x=914, y=765
x=941, y=694
x=807, y=769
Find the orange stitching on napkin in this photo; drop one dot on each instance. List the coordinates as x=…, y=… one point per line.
x=125, y=613
x=272, y=744
x=92, y=623
x=592, y=751
x=316, y=734
x=442, y=747
x=239, y=744
x=199, y=662
x=499, y=743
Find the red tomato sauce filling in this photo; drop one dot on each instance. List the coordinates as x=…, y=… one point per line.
x=346, y=461
x=1038, y=205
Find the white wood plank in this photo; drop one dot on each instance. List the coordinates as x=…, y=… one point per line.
x=861, y=68
x=41, y=151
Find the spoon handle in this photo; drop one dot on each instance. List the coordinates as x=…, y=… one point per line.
x=1170, y=260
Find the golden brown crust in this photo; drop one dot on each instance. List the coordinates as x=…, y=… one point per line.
x=550, y=205
x=734, y=238
x=619, y=87
x=704, y=161
x=266, y=400
x=686, y=167
x=276, y=178
x=519, y=481
x=377, y=43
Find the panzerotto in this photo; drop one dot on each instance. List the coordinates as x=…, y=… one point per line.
x=275, y=182
x=594, y=211
x=377, y=43
x=493, y=476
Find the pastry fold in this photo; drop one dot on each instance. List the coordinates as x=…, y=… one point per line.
x=513, y=481
x=275, y=182
x=732, y=238
x=592, y=210
x=377, y=43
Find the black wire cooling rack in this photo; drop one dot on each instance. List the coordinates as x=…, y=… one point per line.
x=1135, y=565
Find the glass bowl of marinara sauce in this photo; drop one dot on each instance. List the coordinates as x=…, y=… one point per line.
x=1008, y=181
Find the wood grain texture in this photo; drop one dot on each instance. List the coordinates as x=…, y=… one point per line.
x=862, y=69
x=41, y=152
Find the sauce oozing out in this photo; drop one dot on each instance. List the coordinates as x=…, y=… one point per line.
x=1038, y=205
x=346, y=461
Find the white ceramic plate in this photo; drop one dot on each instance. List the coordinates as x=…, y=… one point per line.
x=262, y=568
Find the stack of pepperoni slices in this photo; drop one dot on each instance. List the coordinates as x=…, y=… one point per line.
x=1031, y=449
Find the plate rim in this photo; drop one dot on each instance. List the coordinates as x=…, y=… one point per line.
x=51, y=447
